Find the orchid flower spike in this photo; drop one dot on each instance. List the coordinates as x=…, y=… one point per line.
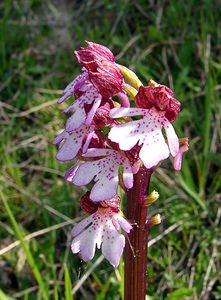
x=109, y=141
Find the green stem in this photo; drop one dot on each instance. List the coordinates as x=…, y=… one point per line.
x=136, y=248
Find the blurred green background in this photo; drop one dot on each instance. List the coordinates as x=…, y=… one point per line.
x=177, y=43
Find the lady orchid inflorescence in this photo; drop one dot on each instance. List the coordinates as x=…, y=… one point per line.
x=115, y=126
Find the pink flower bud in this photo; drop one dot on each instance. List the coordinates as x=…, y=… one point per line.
x=102, y=117
x=87, y=205
x=113, y=203
x=97, y=140
x=160, y=97
x=144, y=97
x=91, y=207
x=93, y=52
x=173, y=110
x=103, y=72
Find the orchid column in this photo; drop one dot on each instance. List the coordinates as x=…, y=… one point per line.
x=116, y=142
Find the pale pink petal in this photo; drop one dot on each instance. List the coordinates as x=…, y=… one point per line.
x=125, y=135
x=70, y=147
x=96, y=152
x=72, y=142
x=106, y=178
x=136, y=166
x=85, y=173
x=88, y=247
x=59, y=138
x=90, y=96
x=87, y=142
x=76, y=120
x=73, y=86
x=85, y=245
x=71, y=107
x=152, y=154
x=76, y=245
x=104, y=172
x=81, y=80
x=177, y=163
x=128, y=175
x=86, y=86
x=116, y=224
x=112, y=247
x=104, y=188
x=79, y=227
x=120, y=112
x=93, y=110
x=71, y=172
x=172, y=138
x=123, y=223
x=155, y=148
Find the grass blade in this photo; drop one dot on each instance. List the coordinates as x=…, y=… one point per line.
x=67, y=282
x=30, y=258
x=3, y=296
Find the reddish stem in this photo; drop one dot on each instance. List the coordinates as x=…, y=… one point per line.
x=136, y=249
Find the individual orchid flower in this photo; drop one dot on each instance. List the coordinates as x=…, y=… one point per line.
x=147, y=133
x=101, y=229
x=104, y=171
x=89, y=96
x=72, y=142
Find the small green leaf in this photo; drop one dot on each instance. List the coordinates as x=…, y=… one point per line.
x=179, y=294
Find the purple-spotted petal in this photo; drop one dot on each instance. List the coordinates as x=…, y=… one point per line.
x=76, y=120
x=79, y=227
x=59, y=138
x=94, y=152
x=90, y=96
x=105, y=173
x=112, y=247
x=72, y=142
x=104, y=188
x=85, y=173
